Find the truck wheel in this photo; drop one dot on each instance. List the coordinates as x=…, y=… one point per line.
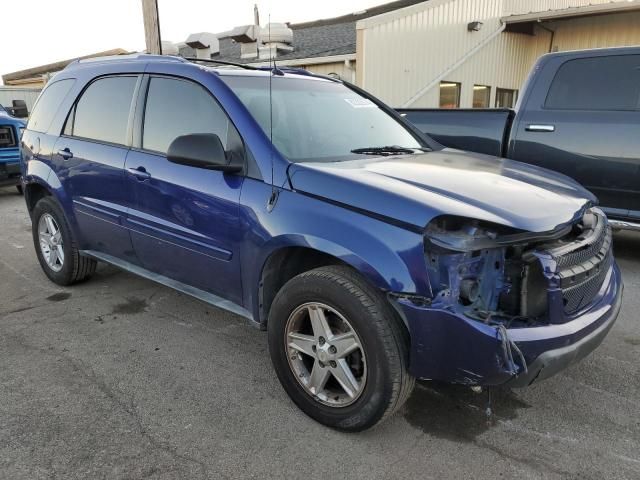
x=19, y=188
x=339, y=349
x=55, y=246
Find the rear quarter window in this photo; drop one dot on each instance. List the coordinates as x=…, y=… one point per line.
x=48, y=104
x=596, y=83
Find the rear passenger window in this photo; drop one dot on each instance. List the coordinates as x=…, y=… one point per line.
x=48, y=104
x=598, y=83
x=179, y=107
x=102, y=113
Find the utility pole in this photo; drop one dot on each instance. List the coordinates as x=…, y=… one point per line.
x=151, y=21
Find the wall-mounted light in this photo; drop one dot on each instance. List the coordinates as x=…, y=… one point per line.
x=474, y=26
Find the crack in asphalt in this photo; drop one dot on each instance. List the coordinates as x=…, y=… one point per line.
x=110, y=393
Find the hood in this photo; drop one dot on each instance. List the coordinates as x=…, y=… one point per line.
x=414, y=189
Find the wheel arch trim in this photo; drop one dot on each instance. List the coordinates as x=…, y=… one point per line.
x=40, y=174
x=373, y=273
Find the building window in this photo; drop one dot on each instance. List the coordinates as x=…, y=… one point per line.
x=481, y=96
x=506, y=98
x=449, y=95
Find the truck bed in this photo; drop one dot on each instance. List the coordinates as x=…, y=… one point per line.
x=476, y=130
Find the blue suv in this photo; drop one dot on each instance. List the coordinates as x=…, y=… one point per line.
x=371, y=255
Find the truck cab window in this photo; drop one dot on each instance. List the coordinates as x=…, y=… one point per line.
x=598, y=83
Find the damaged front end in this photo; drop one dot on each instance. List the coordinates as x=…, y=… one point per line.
x=497, y=294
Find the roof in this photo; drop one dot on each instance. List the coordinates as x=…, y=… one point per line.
x=355, y=16
x=319, y=38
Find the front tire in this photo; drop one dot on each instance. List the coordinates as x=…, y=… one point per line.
x=56, y=247
x=339, y=349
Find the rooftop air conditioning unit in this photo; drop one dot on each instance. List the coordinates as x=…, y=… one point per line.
x=204, y=41
x=277, y=33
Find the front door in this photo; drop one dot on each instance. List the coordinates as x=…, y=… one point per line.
x=185, y=220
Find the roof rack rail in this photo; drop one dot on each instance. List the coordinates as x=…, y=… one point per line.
x=298, y=71
x=221, y=62
x=129, y=56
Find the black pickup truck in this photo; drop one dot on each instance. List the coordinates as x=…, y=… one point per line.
x=578, y=114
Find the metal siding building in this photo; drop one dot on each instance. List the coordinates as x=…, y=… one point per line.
x=29, y=95
x=404, y=55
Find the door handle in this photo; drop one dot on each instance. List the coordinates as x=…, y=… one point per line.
x=65, y=153
x=541, y=128
x=140, y=173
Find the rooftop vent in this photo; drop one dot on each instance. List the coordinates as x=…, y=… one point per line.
x=245, y=33
x=263, y=42
x=205, y=44
x=277, y=33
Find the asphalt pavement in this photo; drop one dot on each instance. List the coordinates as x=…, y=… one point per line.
x=122, y=378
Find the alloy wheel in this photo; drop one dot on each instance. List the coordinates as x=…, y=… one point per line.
x=325, y=354
x=50, y=238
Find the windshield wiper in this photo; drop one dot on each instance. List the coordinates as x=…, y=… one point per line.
x=387, y=150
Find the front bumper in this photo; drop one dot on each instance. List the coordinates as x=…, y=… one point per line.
x=450, y=347
x=9, y=167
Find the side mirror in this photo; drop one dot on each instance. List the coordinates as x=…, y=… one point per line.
x=20, y=109
x=202, y=150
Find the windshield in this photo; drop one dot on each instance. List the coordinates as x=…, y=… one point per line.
x=318, y=119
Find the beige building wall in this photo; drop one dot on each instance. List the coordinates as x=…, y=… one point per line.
x=615, y=30
x=402, y=53
x=9, y=93
x=518, y=7
x=346, y=70
x=342, y=65
x=406, y=50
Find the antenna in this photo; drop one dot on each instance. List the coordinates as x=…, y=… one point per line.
x=271, y=60
x=274, y=193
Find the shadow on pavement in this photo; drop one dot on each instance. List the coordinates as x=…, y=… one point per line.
x=626, y=245
x=455, y=412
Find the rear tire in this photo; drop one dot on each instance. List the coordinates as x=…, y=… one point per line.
x=379, y=381
x=19, y=188
x=56, y=247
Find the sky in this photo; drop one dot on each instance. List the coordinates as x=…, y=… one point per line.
x=36, y=32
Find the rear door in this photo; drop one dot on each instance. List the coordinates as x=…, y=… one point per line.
x=185, y=220
x=587, y=126
x=90, y=158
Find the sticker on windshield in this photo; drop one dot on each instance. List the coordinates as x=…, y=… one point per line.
x=360, y=102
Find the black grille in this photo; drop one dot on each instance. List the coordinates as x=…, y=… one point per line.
x=580, y=295
x=7, y=138
x=585, y=254
x=583, y=269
